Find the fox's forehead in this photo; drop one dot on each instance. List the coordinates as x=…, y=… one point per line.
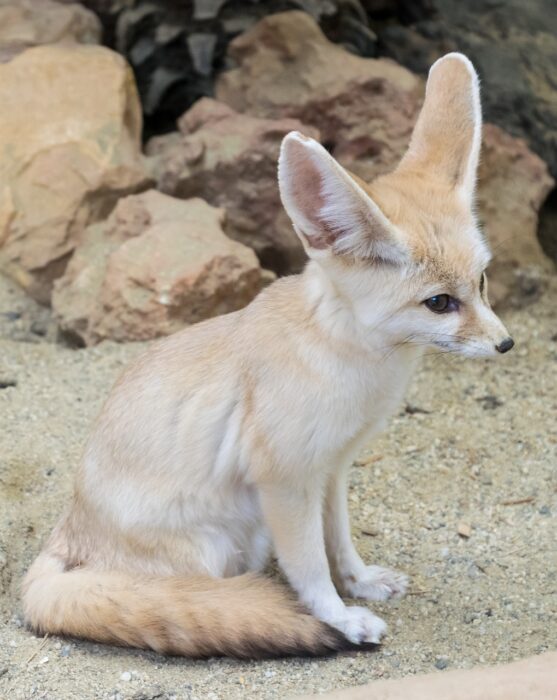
x=456, y=264
x=441, y=231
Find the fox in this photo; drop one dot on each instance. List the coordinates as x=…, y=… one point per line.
x=232, y=439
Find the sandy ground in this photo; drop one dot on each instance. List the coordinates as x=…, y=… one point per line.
x=475, y=448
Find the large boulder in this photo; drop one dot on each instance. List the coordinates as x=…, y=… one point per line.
x=154, y=266
x=513, y=183
x=286, y=67
x=365, y=110
x=230, y=160
x=70, y=127
x=35, y=22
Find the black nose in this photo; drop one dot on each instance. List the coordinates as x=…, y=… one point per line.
x=505, y=345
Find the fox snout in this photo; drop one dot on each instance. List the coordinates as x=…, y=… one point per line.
x=486, y=333
x=505, y=345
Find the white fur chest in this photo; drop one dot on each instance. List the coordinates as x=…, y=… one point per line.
x=326, y=408
x=366, y=400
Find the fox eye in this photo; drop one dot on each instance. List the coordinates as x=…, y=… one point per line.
x=482, y=283
x=441, y=303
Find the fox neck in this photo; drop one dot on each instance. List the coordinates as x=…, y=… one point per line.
x=338, y=316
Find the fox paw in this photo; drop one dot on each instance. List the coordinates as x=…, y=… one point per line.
x=376, y=583
x=359, y=625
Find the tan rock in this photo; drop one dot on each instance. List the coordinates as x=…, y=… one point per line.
x=365, y=110
x=534, y=678
x=363, y=107
x=70, y=128
x=230, y=160
x=464, y=529
x=154, y=266
x=34, y=22
x=513, y=184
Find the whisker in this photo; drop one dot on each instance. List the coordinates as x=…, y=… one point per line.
x=500, y=245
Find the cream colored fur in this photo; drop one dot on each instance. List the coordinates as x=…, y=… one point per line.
x=232, y=439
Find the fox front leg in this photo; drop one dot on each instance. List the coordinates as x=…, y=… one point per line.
x=353, y=577
x=295, y=519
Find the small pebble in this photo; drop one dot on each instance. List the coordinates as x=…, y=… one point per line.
x=39, y=328
x=464, y=530
x=126, y=676
x=16, y=620
x=441, y=663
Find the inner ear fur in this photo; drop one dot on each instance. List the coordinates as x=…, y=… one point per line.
x=446, y=140
x=329, y=209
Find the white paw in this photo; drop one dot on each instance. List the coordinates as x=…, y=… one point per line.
x=359, y=625
x=376, y=583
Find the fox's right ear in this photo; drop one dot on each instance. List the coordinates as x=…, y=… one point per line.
x=446, y=140
x=329, y=210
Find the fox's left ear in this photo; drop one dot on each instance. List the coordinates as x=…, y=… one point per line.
x=331, y=213
x=446, y=141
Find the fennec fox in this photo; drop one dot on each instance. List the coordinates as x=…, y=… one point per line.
x=233, y=437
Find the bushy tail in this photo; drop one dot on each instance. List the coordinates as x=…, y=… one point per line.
x=246, y=616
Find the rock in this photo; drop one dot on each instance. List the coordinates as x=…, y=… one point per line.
x=513, y=184
x=364, y=108
x=35, y=22
x=67, y=154
x=230, y=160
x=177, y=47
x=441, y=662
x=464, y=529
x=154, y=266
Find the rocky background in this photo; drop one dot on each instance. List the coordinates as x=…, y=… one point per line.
x=140, y=139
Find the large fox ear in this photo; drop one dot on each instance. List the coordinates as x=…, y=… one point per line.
x=447, y=137
x=329, y=210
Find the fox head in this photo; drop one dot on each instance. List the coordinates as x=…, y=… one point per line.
x=405, y=251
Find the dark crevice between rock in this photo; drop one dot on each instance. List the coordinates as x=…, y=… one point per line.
x=273, y=259
x=547, y=228
x=70, y=339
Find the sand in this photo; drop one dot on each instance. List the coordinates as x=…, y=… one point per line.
x=473, y=451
